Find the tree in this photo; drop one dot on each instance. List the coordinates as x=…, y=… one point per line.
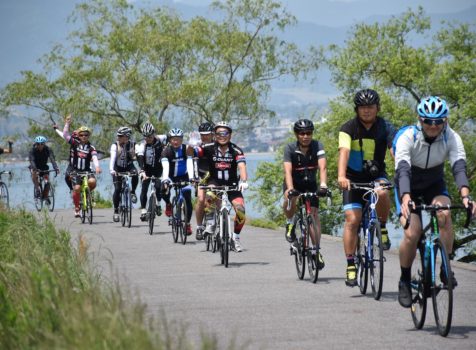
x=124, y=66
x=385, y=57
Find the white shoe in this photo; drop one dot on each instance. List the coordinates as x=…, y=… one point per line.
x=143, y=211
x=237, y=246
x=209, y=229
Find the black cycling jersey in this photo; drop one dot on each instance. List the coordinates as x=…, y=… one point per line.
x=304, y=166
x=80, y=155
x=39, y=159
x=149, y=156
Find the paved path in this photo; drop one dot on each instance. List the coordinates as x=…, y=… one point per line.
x=259, y=300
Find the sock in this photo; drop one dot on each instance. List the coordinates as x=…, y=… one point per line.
x=76, y=199
x=406, y=274
x=236, y=236
x=350, y=260
x=289, y=221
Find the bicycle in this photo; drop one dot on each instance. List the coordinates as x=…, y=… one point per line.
x=45, y=186
x=178, y=221
x=4, y=197
x=125, y=204
x=369, y=254
x=305, y=223
x=223, y=240
x=86, y=200
x=426, y=281
x=152, y=208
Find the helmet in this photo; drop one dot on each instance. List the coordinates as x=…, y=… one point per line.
x=222, y=124
x=366, y=97
x=40, y=139
x=84, y=129
x=433, y=107
x=148, y=129
x=303, y=125
x=175, y=132
x=205, y=128
x=124, y=131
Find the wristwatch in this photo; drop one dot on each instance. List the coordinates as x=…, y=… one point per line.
x=469, y=198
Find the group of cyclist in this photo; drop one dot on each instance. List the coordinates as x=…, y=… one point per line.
x=419, y=151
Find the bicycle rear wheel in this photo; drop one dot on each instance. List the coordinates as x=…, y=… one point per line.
x=311, y=258
x=418, y=307
x=225, y=237
x=89, y=202
x=376, y=264
x=299, y=249
x=184, y=222
x=50, y=201
x=38, y=200
x=151, y=213
x=442, y=289
x=362, y=263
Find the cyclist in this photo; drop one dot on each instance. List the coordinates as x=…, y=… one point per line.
x=149, y=154
x=38, y=158
x=420, y=154
x=7, y=150
x=363, y=141
x=122, y=160
x=224, y=160
x=206, y=137
x=177, y=166
x=81, y=154
x=302, y=159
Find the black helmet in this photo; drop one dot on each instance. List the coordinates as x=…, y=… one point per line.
x=366, y=97
x=205, y=128
x=303, y=125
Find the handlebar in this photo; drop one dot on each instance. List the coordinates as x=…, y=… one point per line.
x=436, y=207
x=81, y=173
x=371, y=185
x=221, y=188
x=9, y=173
x=325, y=192
x=126, y=173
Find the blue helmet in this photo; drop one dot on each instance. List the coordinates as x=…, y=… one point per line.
x=40, y=139
x=433, y=107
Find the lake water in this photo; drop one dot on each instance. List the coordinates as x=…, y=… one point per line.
x=21, y=188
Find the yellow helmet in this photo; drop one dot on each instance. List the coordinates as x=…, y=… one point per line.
x=84, y=129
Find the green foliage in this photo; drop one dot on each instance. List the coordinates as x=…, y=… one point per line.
x=51, y=298
x=100, y=202
x=263, y=223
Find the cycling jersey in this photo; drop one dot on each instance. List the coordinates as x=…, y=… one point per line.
x=419, y=164
x=304, y=166
x=177, y=160
x=223, y=167
x=122, y=157
x=39, y=159
x=149, y=156
x=365, y=144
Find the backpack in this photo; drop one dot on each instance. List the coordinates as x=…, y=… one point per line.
x=400, y=132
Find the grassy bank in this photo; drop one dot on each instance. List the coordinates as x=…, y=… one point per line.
x=51, y=298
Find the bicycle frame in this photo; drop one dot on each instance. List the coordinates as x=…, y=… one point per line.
x=125, y=205
x=85, y=196
x=43, y=183
x=177, y=221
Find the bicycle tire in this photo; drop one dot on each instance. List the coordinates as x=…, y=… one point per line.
x=442, y=289
x=128, y=208
x=151, y=213
x=175, y=230
x=312, y=260
x=299, y=253
x=362, y=263
x=83, y=205
x=184, y=222
x=122, y=206
x=419, y=300
x=377, y=262
x=51, y=197
x=225, y=225
x=89, y=202
x=38, y=200
x=4, y=196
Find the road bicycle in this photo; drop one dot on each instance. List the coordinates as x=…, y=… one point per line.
x=86, y=197
x=304, y=224
x=178, y=221
x=4, y=197
x=431, y=272
x=221, y=239
x=152, y=208
x=46, y=191
x=369, y=256
x=125, y=204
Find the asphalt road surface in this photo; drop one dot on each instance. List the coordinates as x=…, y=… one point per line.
x=258, y=302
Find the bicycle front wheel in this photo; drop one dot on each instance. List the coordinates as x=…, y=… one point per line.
x=175, y=220
x=225, y=237
x=442, y=289
x=50, y=201
x=84, y=205
x=312, y=259
x=376, y=261
x=151, y=213
x=299, y=249
x=418, y=307
x=89, y=202
x=4, y=197
x=128, y=209
x=362, y=263
x=184, y=232
x=38, y=200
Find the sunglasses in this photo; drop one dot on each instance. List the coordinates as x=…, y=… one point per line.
x=305, y=133
x=83, y=135
x=429, y=121
x=222, y=133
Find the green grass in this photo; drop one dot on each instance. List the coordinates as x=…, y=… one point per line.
x=52, y=298
x=100, y=202
x=263, y=223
